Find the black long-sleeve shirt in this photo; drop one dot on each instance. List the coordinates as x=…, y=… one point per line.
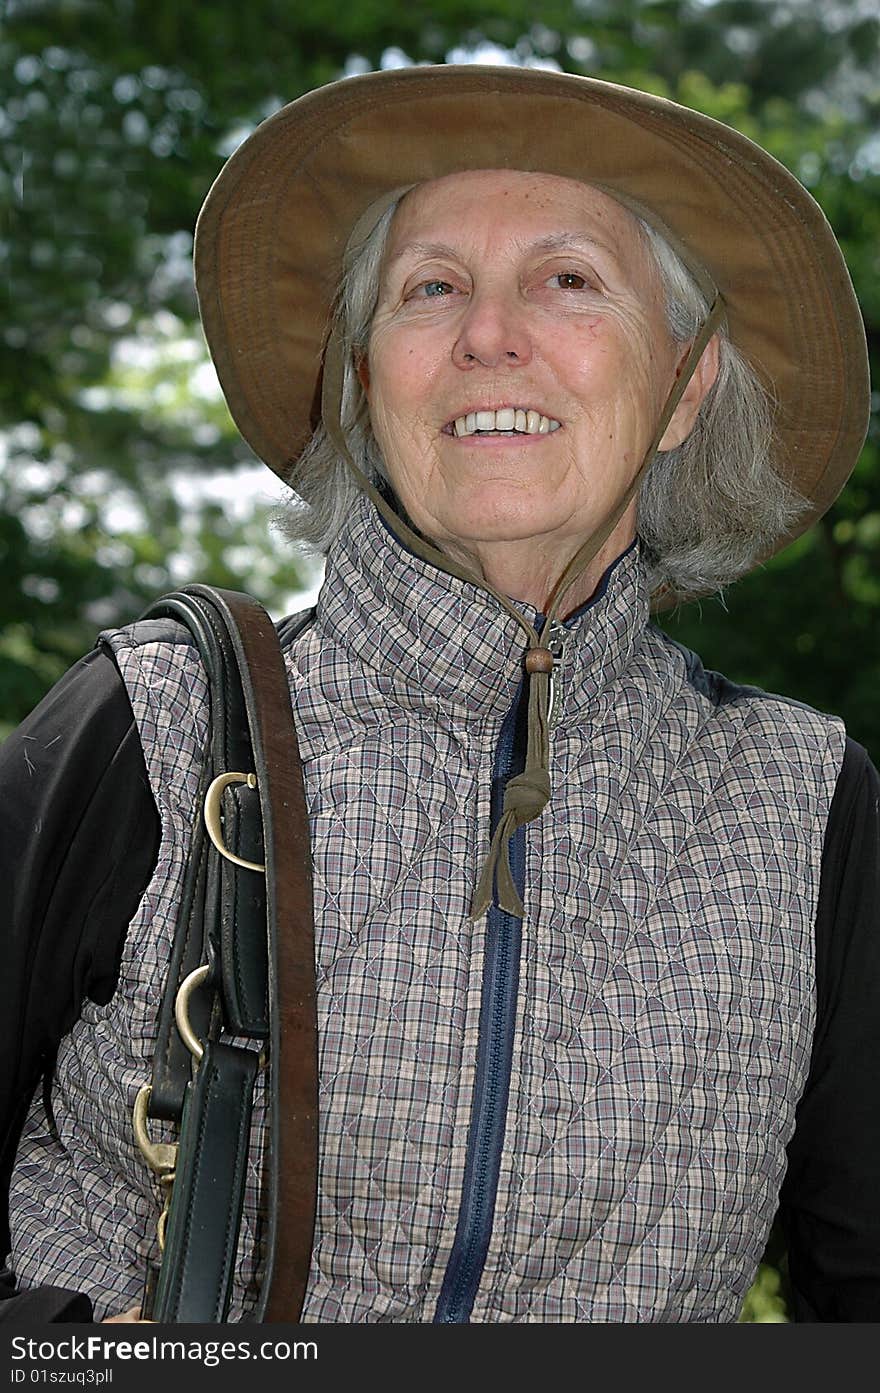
x=79, y=844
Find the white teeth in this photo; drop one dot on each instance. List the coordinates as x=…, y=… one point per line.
x=508, y=418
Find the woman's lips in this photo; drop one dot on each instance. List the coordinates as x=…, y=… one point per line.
x=507, y=422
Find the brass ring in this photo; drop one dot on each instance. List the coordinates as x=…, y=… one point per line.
x=161, y=1157
x=181, y=1009
x=213, y=821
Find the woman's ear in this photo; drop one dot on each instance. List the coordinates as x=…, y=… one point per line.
x=693, y=396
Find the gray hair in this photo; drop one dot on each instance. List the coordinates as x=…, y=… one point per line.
x=708, y=509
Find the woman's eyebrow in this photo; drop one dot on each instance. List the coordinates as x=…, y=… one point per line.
x=423, y=249
x=570, y=241
x=554, y=242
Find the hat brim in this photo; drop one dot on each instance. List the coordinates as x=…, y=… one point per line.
x=272, y=235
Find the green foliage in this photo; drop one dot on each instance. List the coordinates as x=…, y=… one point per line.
x=115, y=116
x=768, y=1300
x=765, y=1302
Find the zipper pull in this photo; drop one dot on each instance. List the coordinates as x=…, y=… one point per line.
x=554, y=641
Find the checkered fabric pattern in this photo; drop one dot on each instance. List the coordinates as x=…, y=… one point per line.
x=666, y=998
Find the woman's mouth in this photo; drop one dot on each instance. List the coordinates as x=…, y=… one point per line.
x=508, y=421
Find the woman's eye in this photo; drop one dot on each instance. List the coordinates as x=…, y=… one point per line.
x=434, y=288
x=570, y=280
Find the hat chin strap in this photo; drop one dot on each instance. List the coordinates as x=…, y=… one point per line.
x=527, y=794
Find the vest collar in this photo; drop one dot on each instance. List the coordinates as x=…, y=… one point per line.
x=434, y=640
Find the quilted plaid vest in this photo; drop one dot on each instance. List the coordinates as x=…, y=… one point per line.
x=581, y=1116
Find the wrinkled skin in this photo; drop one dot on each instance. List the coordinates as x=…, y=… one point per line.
x=505, y=288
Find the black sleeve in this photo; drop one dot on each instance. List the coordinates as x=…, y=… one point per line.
x=79, y=835
x=830, y=1202
x=42, y=1305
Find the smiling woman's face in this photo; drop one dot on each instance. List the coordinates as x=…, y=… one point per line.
x=535, y=301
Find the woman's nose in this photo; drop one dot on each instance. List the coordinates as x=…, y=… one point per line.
x=493, y=332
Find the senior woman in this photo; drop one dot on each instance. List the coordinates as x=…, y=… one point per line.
x=596, y=985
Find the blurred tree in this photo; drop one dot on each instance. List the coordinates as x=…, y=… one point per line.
x=115, y=115
x=807, y=624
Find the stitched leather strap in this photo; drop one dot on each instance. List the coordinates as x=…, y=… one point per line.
x=256, y=935
x=200, y=912
x=292, y=1150
x=195, y=1281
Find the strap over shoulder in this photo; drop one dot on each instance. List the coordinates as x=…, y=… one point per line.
x=243, y=965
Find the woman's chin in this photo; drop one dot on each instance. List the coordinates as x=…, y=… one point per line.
x=488, y=517
x=476, y=534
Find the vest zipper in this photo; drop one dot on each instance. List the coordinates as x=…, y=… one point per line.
x=494, y=1055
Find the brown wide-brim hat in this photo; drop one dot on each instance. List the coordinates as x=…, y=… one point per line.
x=274, y=228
